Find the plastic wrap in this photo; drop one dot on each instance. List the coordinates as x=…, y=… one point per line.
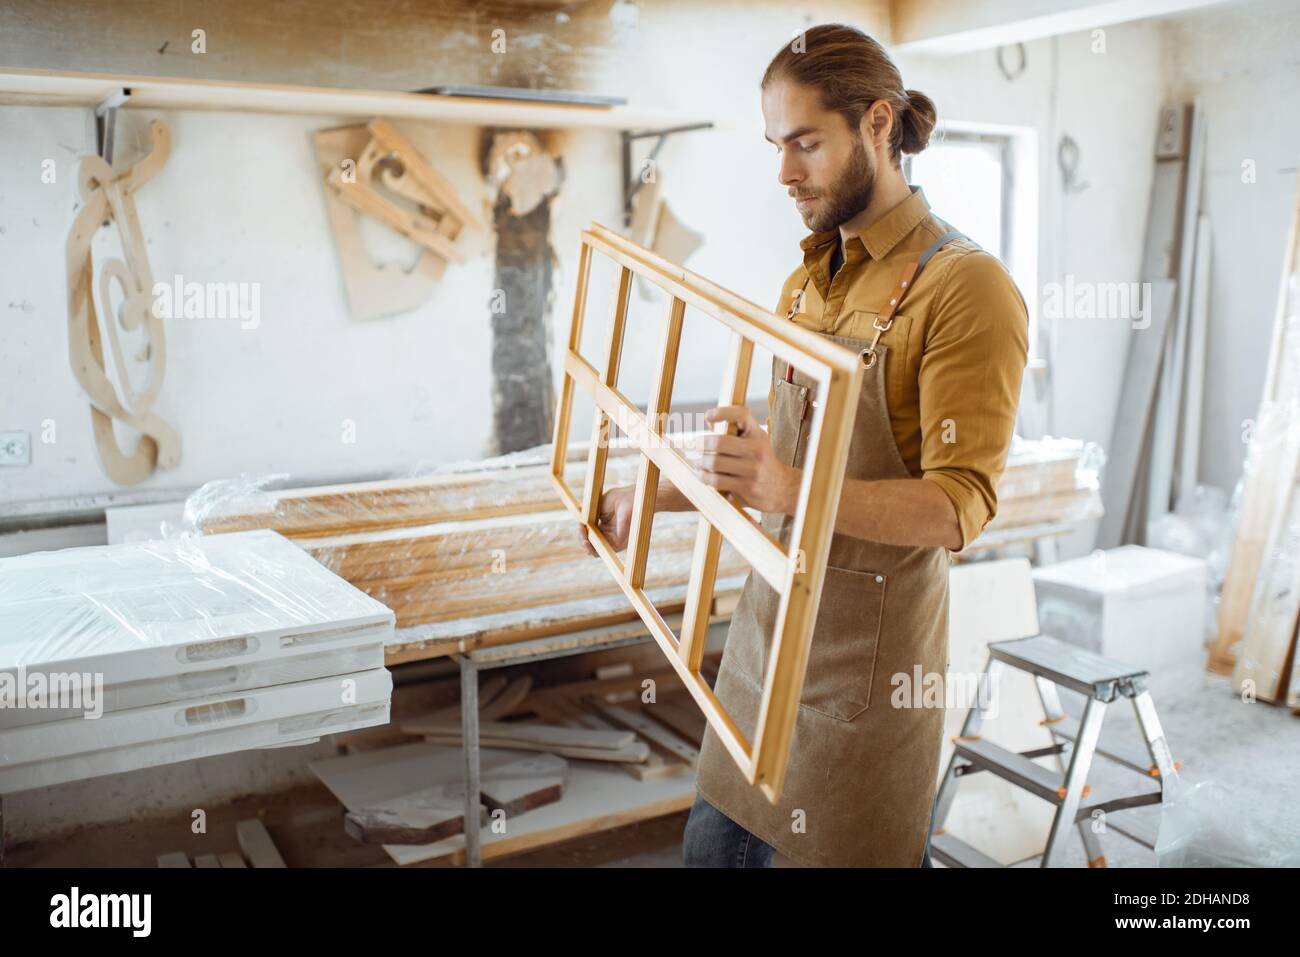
x=1200, y=526
x=1204, y=824
x=167, y=620
x=125, y=656
x=1048, y=481
x=468, y=540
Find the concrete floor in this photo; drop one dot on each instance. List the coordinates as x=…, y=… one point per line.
x=1248, y=752
x=1250, y=749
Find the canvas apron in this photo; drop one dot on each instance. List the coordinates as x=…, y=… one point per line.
x=862, y=771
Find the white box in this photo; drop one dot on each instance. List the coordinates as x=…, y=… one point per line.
x=1140, y=606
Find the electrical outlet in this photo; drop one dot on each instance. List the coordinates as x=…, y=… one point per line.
x=15, y=448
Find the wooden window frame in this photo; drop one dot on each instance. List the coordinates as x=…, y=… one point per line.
x=796, y=574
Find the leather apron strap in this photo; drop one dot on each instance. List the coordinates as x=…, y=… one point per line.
x=885, y=317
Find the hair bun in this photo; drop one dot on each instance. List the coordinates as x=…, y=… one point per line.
x=918, y=121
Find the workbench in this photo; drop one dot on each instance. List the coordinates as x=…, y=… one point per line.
x=499, y=641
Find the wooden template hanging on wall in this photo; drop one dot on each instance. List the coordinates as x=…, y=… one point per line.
x=107, y=196
x=375, y=171
x=795, y=573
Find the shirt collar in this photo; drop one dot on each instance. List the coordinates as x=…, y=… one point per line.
x=885, y=233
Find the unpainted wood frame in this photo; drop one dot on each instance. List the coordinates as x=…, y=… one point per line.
x=797, y=573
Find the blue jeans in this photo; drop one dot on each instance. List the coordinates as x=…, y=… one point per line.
x=712, y=839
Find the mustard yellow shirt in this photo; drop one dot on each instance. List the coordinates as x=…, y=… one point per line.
x=957, y=347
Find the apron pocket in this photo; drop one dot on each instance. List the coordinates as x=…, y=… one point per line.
x=842, y=656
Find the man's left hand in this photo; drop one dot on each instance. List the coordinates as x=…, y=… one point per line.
x=745, y=464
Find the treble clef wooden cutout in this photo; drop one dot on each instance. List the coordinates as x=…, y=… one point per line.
x=106, y=195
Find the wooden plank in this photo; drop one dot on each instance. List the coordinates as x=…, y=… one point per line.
x=1132, y=420
x=1272, y=456
x=656, y=734
x=257, y=845
x=599, y=620
x=1194, y=401
x=559, y=709
x=681, y=717
x=544, y=735
x=663, y=680
x=1167, y=413
x=524, y=785
x=635, y=752
x=60, y=87
x=419, y=818
x=598, y=797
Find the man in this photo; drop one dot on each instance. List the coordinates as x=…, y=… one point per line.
x=943, y=351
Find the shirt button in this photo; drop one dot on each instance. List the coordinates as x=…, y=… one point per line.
x=880, y=578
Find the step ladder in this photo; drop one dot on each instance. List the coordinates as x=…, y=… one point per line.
x=1055, y=664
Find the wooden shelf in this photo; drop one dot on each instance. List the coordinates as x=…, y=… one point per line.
x=51, y=88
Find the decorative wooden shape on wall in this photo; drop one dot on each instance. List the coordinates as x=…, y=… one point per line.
x=799, y=582
x=106, y=196
x=388, y=165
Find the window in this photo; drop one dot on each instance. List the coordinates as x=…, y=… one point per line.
x=982, y=181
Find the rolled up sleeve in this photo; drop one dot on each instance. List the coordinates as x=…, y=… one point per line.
x=976, y=346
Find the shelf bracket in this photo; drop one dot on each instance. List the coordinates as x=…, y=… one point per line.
x=106, y=122
x=632, y=184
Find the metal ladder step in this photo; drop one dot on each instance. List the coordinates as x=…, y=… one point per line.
x=1068, y=728
x=1069, y=666
x=952, y=852
x=1013, y=767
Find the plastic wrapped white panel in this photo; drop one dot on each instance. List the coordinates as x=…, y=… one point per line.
x=198, y=684
x=53, y=753
x=160, y=609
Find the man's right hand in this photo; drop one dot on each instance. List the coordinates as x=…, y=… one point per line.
x=615, y=519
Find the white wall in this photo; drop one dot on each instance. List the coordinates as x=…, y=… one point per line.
x=1108, y=103
x=1243, y=62
x=239, y=201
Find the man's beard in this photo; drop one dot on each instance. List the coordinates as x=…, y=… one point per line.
x=849, y=195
